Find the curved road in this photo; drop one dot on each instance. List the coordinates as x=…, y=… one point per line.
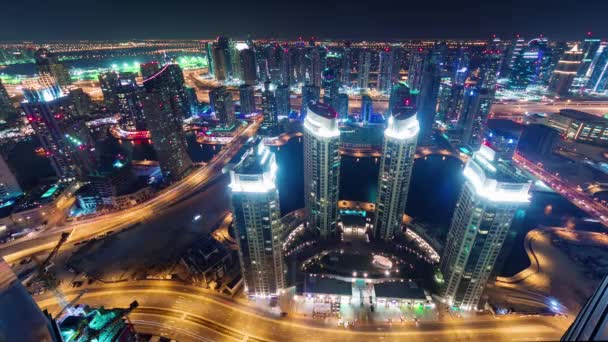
x=181, y=311
x=89, y=228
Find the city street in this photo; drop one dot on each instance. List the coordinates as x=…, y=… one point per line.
x=191, y=313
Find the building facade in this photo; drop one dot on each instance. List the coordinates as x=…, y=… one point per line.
x=322, y=168
x=257, y=222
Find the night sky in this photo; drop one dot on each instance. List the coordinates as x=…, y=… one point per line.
x=372, y=19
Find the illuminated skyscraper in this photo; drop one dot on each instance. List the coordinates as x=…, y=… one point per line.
x=248, y=68
x=590, y=46
x=224, y=46
x=170, y=81
x=364, y=65
x=281, y=95
x=209, y=53
x=247, y=99
x=528, y=65
x=223, y=106
x=474, y=114
x=108, y=82
x=416, y=69
x=398, y=154
x=366, y=108
x=269, y=105
x=427, y=99
x=149, y=69
x=313, y=67
x=385, y=70
x=64, y=137
x=515, y=50
x=321, y=168
x=342, y=106
x=48, y=64
x=493, y=193
x=345, y=66
x=598, y=81
x=220, y=65
x=167, y=133
x=257, y=222
x=310, y=93
x=331, y=87
x=401, y=99
x=565, y=71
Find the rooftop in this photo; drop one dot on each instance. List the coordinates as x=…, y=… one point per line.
x=399, y=289
x=323, y=110
x=325, y=285
x=583, y=116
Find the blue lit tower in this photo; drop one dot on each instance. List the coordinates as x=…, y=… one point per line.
x=322, y=168
x=331, y=87
x=385, y=70
x=65, y=138
x=363, y=68
x=528, y=65
x=257, y=222
x=366, y=108
x=590, y=47
x=345, y=65
x=515, y=49
x=342, y=106
x=247, y=99
x=269, y=105
x=492, y=195
x=310, y=93
x=598, y=81
x=398, y=152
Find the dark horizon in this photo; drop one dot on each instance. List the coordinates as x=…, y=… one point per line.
x=340, y=20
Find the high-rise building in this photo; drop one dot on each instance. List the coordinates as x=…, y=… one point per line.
x=6, y=106
x=461, y=66
x=298, y=64
x=590, y=46
x=220, y=64
x=345, y=67
x=538, y=141
x=223, y=106
x=282, y=96
x=530, y=65
x=224, y=46
x=398, y=152
x=149, y=69
x=132, y=116
x=209, y=53
x=235, y=59
x=167, y=133
x=310, y=93
x=313, y=67
x=363, y=68
x=474, y=115
x=257, y=222
x=502, y=135
x=269, y=105
x=48, y=64
x=321, y=168
x=427, y=99
x=247, y=99
x=493, y=193
x=598, y=81
x=416, y=69
x=565, y=71
x=331, y=87
x=108, y=82
x=64, y=136
x=366, y=108
x=248, y=67
x=170, y=81
x=490, y=67
x=401, y=99
x=342, y=106
x=385, y=70
x=590, y=322
x=515, y=49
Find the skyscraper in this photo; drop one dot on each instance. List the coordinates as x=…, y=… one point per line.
x=530, y=65
x=401, y=99
x=363, y=68
x=9, y=187
x=170, y=81
x=223, y=44
x=342, y=106
x=310, y=93
x=247, y=99
x=398, y=154
x=565, y=71
x=48, y=64
x=492, y=195
x=515, y=49
x=257, y=222
x=63, y=135
x=223, y=106
x=366, y=108
x=427, y=99
x=248, y=68
x=313, y=67
x=108, y=82
x=345, y=67
x=331, y=87
x=167, y=133
x=269, y=105
x=589, y=48
x=416, y=69
x=474, y=114
x=209, y=53
x=282, y=98
x=220, y=64
x=149, y=69
x=321, y=168
x=598, y=80
x=385, y=70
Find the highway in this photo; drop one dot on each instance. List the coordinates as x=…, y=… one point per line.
x=191, y=313
x=89, y=228
x=517, y=110
x=578, y=198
